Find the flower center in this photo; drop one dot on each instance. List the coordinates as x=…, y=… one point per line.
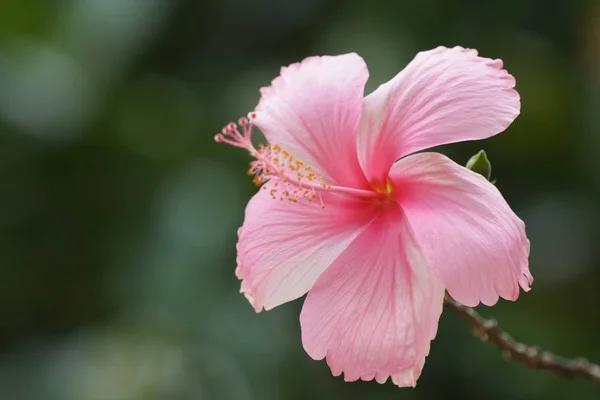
x=284, y=176
x=386, y=190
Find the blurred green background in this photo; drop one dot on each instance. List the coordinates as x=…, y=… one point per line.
x=118, y=212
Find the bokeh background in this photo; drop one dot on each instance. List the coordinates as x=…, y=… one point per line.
x=118, y=212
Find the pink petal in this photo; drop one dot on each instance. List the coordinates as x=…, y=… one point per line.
x=442, y=96
x=283, y=247
x=474, y=242
x=313, y=111
x=374, y=312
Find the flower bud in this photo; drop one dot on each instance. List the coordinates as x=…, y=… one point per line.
x=479, y=163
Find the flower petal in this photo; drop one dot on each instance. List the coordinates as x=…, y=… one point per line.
x=374, y=311
x=442, y=96
x=313, y=111
x=472, y=239
x=283, y=247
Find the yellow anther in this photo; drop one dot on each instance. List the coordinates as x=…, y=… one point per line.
x=271, y=171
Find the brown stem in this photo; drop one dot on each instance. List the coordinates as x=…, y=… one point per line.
x=488, y=331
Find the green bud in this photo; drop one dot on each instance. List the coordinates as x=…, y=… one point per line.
x=479, y=163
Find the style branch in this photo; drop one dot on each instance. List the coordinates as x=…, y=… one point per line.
x=532, y=356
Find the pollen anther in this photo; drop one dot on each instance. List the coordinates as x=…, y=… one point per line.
x=269, y=169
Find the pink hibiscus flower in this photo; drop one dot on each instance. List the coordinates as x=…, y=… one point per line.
x=374, y=233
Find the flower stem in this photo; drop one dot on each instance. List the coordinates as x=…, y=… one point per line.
x=532, y=356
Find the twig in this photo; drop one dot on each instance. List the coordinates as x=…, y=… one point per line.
x=488, y=331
